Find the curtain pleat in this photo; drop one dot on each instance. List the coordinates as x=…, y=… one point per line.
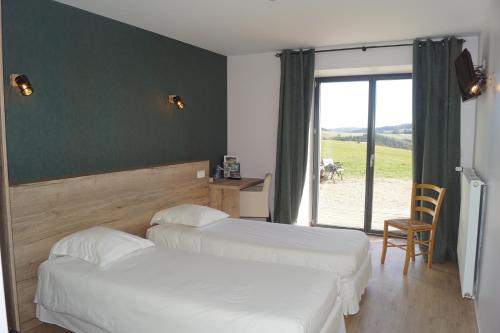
x=436, y=133
x=296, y=96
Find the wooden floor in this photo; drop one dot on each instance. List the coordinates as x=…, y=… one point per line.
x=426, y=300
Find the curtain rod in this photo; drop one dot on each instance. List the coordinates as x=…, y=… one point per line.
x=362, y=48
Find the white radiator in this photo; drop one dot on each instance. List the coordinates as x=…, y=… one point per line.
x=469, y=234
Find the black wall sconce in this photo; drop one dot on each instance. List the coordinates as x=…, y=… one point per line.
x=471, y=80
x=22, y=82
x=177, y=101
x=480, y=77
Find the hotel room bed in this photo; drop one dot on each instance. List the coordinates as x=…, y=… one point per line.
x=343, y=252
x=166, y=290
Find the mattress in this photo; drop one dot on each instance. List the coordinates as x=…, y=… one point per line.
x=343, y=252
x=158, y=289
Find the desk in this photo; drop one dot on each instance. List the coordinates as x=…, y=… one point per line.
x=224, y=194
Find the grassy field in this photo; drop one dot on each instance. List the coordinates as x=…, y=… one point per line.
x=407, y=137
x=330, y=134
x=389, y=162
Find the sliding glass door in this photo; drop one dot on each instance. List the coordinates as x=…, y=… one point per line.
x=344, y=110
x=362, y=150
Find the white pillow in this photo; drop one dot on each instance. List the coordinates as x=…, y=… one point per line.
x=99, y=245
x=192, y=215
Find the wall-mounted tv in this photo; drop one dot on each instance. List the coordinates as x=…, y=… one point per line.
x=467, y=79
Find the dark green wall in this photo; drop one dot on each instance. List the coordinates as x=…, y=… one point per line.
x=101, y=89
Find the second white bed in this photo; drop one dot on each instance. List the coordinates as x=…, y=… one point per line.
x=344, y=252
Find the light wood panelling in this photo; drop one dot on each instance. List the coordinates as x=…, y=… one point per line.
x=215, y=197
x=44, y=212
x=236, y=183
x=231, y=202
x=225, y=194
x=26, y=293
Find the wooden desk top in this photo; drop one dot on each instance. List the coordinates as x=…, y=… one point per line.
x=236, y=183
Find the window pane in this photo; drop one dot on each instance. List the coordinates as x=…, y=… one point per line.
x=393, y=151
x=343, y=124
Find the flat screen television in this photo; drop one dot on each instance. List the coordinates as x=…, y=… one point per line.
x=466, y=75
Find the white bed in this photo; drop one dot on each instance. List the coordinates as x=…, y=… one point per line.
x=344, y=252
x=166, y=290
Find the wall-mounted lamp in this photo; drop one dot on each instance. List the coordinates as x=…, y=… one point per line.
x=22, y=82
x=479, y=81
x=177, y=101
x=471, y=80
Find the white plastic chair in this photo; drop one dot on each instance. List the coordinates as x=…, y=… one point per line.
x=254, y=201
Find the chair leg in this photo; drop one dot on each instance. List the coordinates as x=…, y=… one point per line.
x=409, y=246
x=430, y=250
x=384, y=247
x=413, y=250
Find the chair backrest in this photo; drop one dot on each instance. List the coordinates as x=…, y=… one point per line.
x=267, y=183
x=421, y=202
x=266, y=189
x=327, y=161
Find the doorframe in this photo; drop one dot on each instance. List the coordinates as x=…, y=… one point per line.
x=370, y=143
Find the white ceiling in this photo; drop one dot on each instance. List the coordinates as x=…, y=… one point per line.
x=233, y=27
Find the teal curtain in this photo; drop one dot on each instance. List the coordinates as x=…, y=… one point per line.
x=436, y=132
x=296, y=95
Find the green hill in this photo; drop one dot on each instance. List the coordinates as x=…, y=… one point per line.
x=389, y=162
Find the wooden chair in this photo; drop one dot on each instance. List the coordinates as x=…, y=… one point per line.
x=254, y=201
x=329, y=168
x=412, y=226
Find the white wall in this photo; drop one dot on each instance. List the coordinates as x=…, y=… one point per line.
x=253, y=102
x=372, y=61
x=253, y=85
x=487, y=164
x=468, y=116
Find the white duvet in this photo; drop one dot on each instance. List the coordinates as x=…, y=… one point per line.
x=334, y=250
x=343, y=252
x=164, y=290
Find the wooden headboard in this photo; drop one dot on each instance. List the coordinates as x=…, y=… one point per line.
x=44, y=212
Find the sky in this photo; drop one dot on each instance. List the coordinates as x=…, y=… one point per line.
x=345, y=104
